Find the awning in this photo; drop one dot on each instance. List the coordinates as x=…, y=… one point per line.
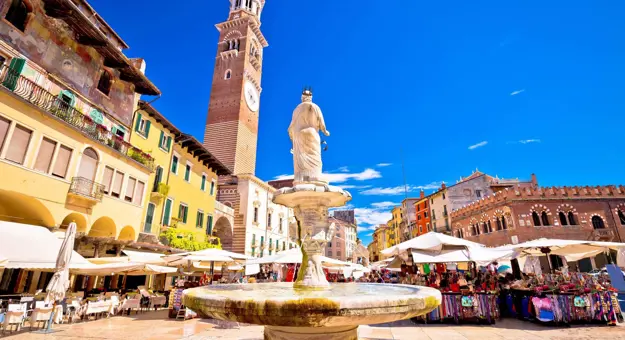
x=206, y=255
x=28, y=246
x=431, y=241
x=144, y=256
x=127, y=268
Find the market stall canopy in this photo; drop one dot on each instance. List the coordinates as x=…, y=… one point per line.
x=206, y=255
x=127, y=268
x=33, y=247
x=572, y=250
x=431, y=241
x=150, y=269
x=295, y=256
x=144, y=256
x=480, y=255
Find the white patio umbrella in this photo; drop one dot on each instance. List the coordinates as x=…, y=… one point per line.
x=59, y=284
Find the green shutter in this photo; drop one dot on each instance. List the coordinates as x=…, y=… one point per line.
x=168, y=143
x=160, y=140
x=96, y=116
x=13, y=74
x=186, y=212
x=138, y=122
x=147, y=128
x=209, y=226
x=203, y=186
x=167, y=213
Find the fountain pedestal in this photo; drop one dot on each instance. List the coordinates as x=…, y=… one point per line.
x=300, y=333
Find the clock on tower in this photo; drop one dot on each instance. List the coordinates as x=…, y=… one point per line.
x=232, y=124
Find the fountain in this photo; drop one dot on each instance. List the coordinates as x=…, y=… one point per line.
x=311, y=308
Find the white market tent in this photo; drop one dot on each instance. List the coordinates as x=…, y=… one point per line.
x=128, y=268
x=33, y=247
x=572, y=250
x=432, y=242
x=206, y=255
x=295, y=256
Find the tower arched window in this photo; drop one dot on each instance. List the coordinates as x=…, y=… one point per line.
x=536, y=219
x=498, y=224
x=105, y=82
x=597, y=222
x=228, y=74
x=572, y=220
x=544, y=218
x=237, y=4
x=621, y=216
x=562, y=217
x=504, y=223
x=17, y=14
x=484, y=228
x=490, y=227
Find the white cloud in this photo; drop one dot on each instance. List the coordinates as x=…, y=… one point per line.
x=478, y=145
x=351, y=186
x=514, y=93
x=385, y=191
x=343, y=177
x=343, y=169
x=381, y=165
x=369, y=234
x=527, y=141
x=390, y=191
x=369, y=218
x=385, y=204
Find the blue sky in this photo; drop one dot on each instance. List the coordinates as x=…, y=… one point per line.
x=509, y=87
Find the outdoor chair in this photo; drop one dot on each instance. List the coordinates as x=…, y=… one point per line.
x=40, y=315
x=13, y=318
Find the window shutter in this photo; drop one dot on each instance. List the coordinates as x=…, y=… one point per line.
x=180, y=211
x=147, y=128
x=186, y=212
x=15, y=69
x=138, y=122
x=160, y=140
x=114, y=130
x=168, y=143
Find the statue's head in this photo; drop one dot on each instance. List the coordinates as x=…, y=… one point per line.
x=307, y=94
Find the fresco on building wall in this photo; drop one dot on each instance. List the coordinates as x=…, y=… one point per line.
x=48, y=43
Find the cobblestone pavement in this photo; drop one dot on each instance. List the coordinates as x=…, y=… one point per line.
x=156, y=325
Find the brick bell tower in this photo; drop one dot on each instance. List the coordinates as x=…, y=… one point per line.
x=232, y=124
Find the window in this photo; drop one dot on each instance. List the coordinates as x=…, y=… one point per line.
x=433, y=214
x=280, y=224
x=18, y=14
x=484, y=228
x=228, y=75
x=498, y=224
x=130, y=189
x=504, y=223
x=255, y=214
x=562, y=218
x=269, y=220
x=18, y=145
x=44, y=157
x=61, y=164
x=107, y=178
x=164, y=142
x=174, y=164
x=572, y=220
x=203, y=185
x=187, y=173
x=425, y=214
x=167, y=212
x=443, y=195
x=338, y=253
x=283, y=245
x=119, y=131
x=597, y=222
x=444, y=210
x=212, y=191
x=490, y=227
x=621, y=216
x=277, y=245
x=142, y=126
x=330, y=244
x=209, y=225
x=149, y=217
x=544, y=218
x=88, y=164
x=270, y=245
x=105, y=82
x=138, y=193
x=157, y=178
x=183, y=211
x=536, y=219
x=199, y=220
x=4, y=129
x=117, y=184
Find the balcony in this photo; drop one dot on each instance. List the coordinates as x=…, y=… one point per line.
x=83, y=190
x=61, y=110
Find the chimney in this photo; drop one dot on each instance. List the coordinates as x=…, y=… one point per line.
x=443, y=186
x=534, y=181
x=421, y=194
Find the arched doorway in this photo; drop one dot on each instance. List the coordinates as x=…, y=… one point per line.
x=79, y=219
x=103, y=227
x=88, y=164
x=223, y=230
x=127, y=234
x=20, y=208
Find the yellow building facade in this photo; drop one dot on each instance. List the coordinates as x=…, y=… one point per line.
x=183, y=187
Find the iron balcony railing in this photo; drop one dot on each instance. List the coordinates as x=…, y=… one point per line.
x=54, y=106
x=87, y=188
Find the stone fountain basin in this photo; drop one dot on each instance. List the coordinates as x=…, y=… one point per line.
x=344, y=304
x=304, y=194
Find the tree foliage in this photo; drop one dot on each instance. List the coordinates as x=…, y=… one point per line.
x=186, y=240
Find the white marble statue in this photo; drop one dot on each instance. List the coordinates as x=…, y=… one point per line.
x=304, y=133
